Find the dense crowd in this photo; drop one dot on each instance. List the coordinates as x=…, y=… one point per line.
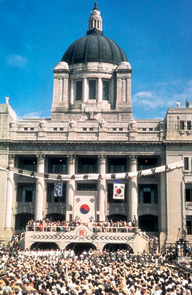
x=92, y=272
x=99, y=226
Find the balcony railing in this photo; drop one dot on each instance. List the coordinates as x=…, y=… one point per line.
x=70, y=228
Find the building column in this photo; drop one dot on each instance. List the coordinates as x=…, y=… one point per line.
x=133, y=194
x=70, y=188
x=85, y=90
x=9, y=199
x=72, y=93
x=100, y=92
x=40, y=183
x=102, y=188
x=163, y=209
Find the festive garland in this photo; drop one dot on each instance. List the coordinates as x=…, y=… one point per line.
x=93, y=176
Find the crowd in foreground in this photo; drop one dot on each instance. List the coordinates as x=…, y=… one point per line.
x=93, y=272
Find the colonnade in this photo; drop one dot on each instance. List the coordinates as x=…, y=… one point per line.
x=71, y=187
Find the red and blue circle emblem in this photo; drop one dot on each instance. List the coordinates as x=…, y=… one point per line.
x=118, y=191
x=84, y=209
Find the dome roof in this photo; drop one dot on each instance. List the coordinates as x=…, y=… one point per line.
x=94, y=47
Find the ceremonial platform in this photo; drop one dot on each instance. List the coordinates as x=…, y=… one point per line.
x=81, y=237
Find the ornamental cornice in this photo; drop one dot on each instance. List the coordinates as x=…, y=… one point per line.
x=87, y=142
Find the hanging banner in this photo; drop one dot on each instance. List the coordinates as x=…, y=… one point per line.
x=118, y=191
x=108, y=176
x=84, y=207
x=58, y=190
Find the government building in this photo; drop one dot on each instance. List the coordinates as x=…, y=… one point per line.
x=91, y=160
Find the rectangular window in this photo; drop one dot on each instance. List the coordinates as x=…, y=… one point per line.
x=79, y=87
x=57, y=165
x=188, y=125
x=87, y=165
x=105, y=90
x=147, y=163
x=86, y=186
x=182, y=125
x=148, y=194
x=117, y=165
x=188, y=192
x=51, y=198
x=189, y=224
x=92, y=89
x=28, y=164
x=186, y=163
x=26, y=192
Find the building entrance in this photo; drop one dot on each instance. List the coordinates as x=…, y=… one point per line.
x=78, y=248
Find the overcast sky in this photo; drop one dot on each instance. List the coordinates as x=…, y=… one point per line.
x=156, y=36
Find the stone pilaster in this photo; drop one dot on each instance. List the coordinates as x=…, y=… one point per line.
x=72, y=93
x=40, y=183
x=133, y=189
x=163, y=210
x=85, y=90
x=9, y=199
x=70, y=187
x=102, y=188
x=100, y=90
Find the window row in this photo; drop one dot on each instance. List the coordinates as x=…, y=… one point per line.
x=185, y=125
x=148, y=194
x=86, y=165
x=92, y=90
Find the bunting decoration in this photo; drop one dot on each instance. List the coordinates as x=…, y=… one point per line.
x=94, y=176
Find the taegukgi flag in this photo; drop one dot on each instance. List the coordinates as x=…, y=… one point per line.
x=84, y=207
x=118, y=191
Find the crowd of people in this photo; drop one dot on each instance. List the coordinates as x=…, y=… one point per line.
x=115, y=272
x=92, y=272
x=96, y=226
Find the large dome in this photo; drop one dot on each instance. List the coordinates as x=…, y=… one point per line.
x=94, y=47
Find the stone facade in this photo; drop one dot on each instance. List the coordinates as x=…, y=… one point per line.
x=96, y=134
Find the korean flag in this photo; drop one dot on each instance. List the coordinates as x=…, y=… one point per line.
x=118, y=191
x=84, y=207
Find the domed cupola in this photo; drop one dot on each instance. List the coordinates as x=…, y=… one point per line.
x=94, y=47
x=93, y=78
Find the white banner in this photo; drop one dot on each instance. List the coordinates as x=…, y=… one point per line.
x=94, y=176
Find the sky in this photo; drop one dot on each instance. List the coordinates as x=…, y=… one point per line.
x=156, y=36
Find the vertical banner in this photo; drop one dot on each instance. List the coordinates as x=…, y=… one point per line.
x=58, y=190
x=84, y=207
x=118, y=191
